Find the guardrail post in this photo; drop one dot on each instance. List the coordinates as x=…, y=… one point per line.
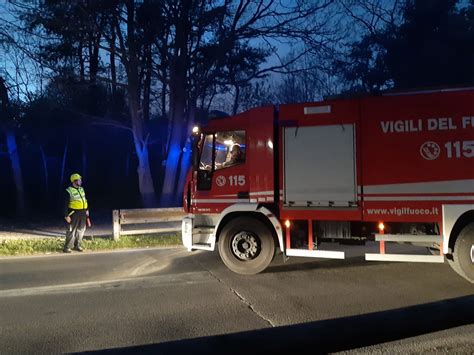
x=116, y=224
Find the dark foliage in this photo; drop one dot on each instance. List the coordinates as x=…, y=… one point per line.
x=433, y=47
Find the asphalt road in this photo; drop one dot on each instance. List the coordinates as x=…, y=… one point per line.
x=172, y=301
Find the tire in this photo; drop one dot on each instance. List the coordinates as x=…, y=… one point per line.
x=463, y=255
x=246, y=245
x=455, y=267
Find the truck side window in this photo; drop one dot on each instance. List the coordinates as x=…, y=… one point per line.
x=206, y=155
x=230, y=149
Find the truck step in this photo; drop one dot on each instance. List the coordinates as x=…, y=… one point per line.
x=408, y=238
x=405, y=258
x=326, y=254
x=203, y=230
x=202, y=246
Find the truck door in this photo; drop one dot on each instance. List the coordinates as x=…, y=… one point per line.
x=221, y=176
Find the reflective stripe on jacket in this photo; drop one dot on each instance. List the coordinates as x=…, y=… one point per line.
x=77, y=198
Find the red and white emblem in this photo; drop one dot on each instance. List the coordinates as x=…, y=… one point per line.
x=430, y=150
x=221, y=181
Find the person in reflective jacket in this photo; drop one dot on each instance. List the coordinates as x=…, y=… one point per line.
x=76, y=211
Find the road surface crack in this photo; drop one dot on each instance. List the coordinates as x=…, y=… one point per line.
x=252, y=307
x=240, y=297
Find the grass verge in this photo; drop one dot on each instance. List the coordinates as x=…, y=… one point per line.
x=55, y=245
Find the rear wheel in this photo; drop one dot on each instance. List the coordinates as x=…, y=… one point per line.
x=463, y=255
x=246, y=245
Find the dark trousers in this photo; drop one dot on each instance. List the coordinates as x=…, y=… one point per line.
x=76, y=229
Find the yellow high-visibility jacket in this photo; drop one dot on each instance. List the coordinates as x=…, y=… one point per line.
x=77, y=198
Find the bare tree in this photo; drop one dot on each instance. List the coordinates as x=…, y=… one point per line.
x=198, y=62
x=74, y=35
x=193, y=48
x=128, y=50
x=372, y=15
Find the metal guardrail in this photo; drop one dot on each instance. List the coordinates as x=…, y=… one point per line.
x=143, y=217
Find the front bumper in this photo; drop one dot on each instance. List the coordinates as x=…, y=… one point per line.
x=187, y=232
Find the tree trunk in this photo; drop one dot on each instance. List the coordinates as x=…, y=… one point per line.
x=63, y=165
x=45, y=173
x=163, y=98
x=235, y=107
x=145, y=181
x=93, y=58
x=186, y=155
x=177, y=103
x=16, y=169
x=113, y=70
x=177, y=89
x=147, y=84
x=81, y=64
x=166, y=118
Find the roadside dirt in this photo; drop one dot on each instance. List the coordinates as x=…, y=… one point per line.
x=12, y=229
x=53, y=228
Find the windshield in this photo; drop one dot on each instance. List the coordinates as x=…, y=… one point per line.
x=229, y=150
x=206, y=156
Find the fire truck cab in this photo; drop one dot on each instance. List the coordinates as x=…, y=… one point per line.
x=389, y=168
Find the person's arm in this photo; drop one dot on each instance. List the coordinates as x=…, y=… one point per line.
x=87, y=210
x=67, y=214
x=66, y=203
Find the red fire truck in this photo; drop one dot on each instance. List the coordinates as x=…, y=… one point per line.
x=396, y=167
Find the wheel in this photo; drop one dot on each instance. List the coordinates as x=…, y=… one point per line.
x=463, y=255
x=246, y=245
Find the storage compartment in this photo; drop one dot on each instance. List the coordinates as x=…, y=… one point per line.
x=319, y=166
